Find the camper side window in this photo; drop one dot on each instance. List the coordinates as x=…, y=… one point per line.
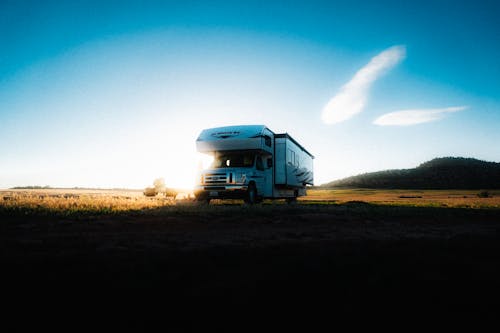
x=269, y=162
x=291, y=157
x=267, y=140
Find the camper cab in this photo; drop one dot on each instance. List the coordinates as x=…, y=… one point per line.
x=251, y=162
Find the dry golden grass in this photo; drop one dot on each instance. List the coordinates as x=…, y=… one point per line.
x=420, y=198
x=74, y=202
x=91, y=200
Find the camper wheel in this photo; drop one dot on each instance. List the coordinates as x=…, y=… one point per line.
x=251, y=196
x=202, y=199
x=293, y=199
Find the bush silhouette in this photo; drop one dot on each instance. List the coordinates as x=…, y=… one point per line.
x=484, y=194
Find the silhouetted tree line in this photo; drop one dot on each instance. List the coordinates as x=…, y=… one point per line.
x=31, y=187
x=439, y=173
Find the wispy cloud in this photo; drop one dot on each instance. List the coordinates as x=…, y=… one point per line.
x=352, y=97
x=414, y=117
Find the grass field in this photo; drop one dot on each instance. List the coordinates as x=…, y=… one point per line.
x=437, y=250
x=419, y=198
x=75, y=202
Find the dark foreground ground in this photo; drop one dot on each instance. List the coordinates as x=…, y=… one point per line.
x=354, y=256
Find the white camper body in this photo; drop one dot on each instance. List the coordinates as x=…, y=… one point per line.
x=253, y=163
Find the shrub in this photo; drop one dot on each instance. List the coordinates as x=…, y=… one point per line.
x=150, y=191
x=484, y=194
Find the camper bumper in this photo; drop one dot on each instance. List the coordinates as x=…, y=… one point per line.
x=226, y=191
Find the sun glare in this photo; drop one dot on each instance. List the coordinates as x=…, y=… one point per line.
x=204, y=161
x=183, y=175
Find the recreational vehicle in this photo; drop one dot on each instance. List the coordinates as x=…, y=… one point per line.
x=251, y=162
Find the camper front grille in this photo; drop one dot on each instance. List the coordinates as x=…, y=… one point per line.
x=215, y=178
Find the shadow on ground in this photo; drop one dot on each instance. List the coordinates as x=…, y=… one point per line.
x=351, y=255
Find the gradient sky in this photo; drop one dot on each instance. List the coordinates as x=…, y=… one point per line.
x=114, y=93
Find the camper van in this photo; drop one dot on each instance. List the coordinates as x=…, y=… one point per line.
x=251, y=162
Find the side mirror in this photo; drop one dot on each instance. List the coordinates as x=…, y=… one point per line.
x=269, y=162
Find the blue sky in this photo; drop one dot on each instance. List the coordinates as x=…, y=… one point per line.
x=114, y=94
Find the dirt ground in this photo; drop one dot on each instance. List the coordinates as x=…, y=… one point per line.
x=348, y=255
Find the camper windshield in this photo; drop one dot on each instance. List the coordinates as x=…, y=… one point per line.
x=233, y=160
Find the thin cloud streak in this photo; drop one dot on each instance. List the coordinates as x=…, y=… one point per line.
x=352, y=97
x=415, y=116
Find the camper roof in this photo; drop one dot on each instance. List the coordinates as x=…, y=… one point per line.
x=240, y=132
x=241, y=137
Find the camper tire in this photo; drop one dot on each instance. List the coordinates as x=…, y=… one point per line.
x=202, y=199
x=293, y=200
x=251, y=195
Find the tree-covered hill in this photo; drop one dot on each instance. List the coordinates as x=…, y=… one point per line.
x=439, y=173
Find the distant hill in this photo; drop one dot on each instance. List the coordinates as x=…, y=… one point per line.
x=439, y=173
